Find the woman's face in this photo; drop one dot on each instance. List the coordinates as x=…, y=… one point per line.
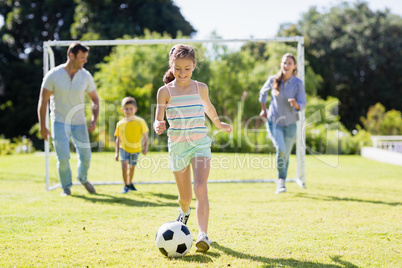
x=288, y=66
x=183, y=69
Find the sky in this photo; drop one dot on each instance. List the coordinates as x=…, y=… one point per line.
x=236, y=19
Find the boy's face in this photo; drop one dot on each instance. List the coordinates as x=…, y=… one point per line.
x=129, y=110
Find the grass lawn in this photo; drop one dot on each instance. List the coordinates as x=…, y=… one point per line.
x=349, y=215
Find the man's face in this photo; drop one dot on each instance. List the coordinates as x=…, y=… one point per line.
x=79, y=60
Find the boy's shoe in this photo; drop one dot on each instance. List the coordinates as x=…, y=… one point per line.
x=126, y=189
x=132, y=187
x=280, y=186
x=65, y=192
x=90, y=188
x=183, y=218
x=203, y=243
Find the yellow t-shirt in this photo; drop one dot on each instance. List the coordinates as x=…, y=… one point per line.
x=130, y=134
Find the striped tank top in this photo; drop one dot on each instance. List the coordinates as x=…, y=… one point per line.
x=186, y=118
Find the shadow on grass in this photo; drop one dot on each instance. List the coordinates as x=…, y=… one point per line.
x=266, y=262
x=133, y=201
x=201, y=257
x=271, y=262
x=165, y=196
x=336, y=198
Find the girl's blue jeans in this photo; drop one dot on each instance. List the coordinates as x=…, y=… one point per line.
x=283, y=138
x=62, y=134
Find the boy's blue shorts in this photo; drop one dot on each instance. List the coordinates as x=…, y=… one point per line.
x=132, y=158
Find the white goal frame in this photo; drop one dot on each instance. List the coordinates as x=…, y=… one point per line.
x=49, y=62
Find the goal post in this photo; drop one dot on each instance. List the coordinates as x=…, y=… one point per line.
x=300, y=179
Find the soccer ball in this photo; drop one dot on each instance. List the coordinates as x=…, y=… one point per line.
x=174, y=239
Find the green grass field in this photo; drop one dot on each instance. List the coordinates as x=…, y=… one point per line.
x=349, y=215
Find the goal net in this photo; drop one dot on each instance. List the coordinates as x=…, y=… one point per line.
x=153, y=168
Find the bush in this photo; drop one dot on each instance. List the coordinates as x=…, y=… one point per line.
x=380, y=122
x=16, y=146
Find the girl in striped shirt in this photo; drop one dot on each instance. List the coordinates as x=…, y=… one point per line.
x=186, y=102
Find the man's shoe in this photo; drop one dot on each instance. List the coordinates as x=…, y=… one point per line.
x=183, y=218
x=280, y=186
x=132, y=187
x=126, y=189
x=90, y=188
x=65, y=192
x=203, y=243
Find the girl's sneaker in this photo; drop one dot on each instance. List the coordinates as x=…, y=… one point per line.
x=203, y=243
x=183, y=218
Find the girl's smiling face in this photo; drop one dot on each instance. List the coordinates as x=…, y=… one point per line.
x=183, y=69
x=288, y=66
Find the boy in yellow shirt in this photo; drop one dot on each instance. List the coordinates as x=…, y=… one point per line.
x=131, y=138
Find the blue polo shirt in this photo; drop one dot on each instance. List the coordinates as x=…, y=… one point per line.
x=280, y=112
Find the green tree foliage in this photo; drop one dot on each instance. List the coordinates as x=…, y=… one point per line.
x=234, y=78
x=356, y=52
x=27, y=24
x=128, y=17
x=30, y=22
x=381, y=122
x=135, y=71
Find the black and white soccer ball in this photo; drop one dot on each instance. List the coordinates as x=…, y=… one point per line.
x=174, y=239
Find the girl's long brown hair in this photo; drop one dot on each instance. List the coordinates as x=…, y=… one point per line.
x=278, y=78
x=178, y=52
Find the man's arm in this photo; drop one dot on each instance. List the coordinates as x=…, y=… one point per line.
x=93, y=95
x=44, y=97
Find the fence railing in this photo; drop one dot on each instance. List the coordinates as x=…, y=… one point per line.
x=390, y=143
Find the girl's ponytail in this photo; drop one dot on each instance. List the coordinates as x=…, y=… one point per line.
x=168, y=77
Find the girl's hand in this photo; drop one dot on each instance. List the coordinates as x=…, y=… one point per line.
x=116, y=156
x=159, y=126
x=294, y=103
x=263, y=115
x=225, y=127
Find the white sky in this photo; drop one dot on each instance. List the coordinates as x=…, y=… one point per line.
x=257, y=18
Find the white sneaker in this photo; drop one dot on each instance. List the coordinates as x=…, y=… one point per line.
x=65, y=192
x=280, y=186
x=203, y=243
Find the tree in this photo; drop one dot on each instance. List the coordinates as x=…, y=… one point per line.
x=29, y=23
x=355, y=50
x=380, y=122
x=128, y=17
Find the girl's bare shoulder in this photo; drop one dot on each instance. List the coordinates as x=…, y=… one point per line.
x=203, y=88
x=163, y=94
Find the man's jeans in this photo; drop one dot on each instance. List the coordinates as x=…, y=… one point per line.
x=283, y=138
x=78, y=134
